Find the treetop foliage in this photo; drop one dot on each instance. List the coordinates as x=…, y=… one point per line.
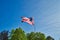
x=19, y=34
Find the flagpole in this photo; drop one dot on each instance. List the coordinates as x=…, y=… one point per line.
x=34, y=28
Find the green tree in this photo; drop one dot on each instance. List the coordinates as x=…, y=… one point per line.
x=18, y=34
x=35, y=36
x=49, y=38
x=31, y=36
x=39, y=36
x=4, y=35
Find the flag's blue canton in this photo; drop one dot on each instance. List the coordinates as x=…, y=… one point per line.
x=30, y=18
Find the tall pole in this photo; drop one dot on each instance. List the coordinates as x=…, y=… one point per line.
x=34, y=28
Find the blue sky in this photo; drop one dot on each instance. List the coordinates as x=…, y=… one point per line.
x=46, y=15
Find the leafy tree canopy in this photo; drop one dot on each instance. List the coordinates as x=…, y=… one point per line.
x=35, y=36
x=49, y=38
x=18, y=34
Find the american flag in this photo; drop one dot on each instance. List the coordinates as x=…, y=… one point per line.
x=28, y=20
